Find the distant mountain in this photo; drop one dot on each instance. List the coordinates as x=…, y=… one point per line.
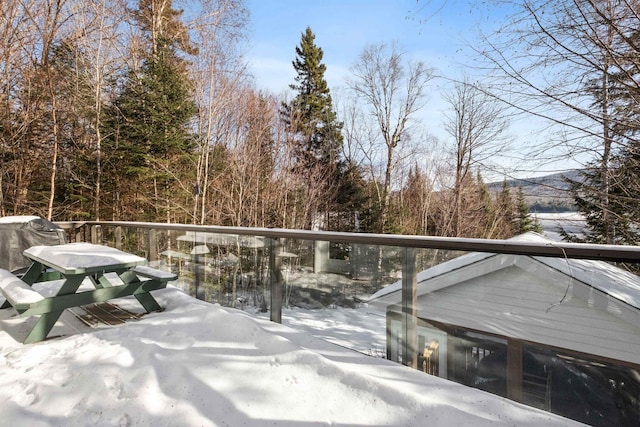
x=547, y=193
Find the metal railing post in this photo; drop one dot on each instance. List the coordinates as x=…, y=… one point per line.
x=409, y=308
x=96, y=234
x=152, y=245
x=117, y=235
x=275, y=267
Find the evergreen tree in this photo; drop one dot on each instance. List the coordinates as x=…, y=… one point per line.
x=315, y=130
x=628, y=183
x=370, y=214
x=415, y=204
x=473, y=211
x=617, y=223
x=485, y=210
x=148, y=131
x=505, y=216
x=351, y=197
x=524, y=221
x=608, y=190
x=76, y=176
x=310, y=114
x=47, y=157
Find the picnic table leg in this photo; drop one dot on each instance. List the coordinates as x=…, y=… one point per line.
x=48, y=320
x=148, y=302
x=39, y=273
x=33, y=273
x=145, y=298
x=43, y=327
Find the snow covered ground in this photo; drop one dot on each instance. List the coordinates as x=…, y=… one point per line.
x=197, y=364
x=573, y=223
x=362, y=329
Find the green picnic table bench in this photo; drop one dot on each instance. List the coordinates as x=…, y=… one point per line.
x=110, y=273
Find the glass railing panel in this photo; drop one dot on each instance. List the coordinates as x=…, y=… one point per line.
x=326, y=292
x=556, y=334
x=227, y=269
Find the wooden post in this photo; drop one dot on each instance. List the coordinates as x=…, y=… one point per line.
x=409, y=308
x=275, y=264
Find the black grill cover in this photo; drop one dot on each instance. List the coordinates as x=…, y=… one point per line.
x=18, y=233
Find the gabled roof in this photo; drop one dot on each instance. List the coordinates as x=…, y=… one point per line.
x=607, y=278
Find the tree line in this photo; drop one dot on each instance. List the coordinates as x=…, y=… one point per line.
x=122, y=110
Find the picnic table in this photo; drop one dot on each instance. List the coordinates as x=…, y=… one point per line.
x=108, y=272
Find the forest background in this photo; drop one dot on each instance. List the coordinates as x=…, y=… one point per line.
x=134, y=110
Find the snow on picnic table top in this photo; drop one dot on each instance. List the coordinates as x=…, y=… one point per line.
x=76, y=258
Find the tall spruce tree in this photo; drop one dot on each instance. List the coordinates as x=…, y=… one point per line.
x=310, y=114
x=315, y=131
x=148, y=126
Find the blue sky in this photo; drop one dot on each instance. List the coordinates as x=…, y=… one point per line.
x=344, y=27
x=437, y=34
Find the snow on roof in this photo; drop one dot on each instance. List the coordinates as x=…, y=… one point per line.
x=435, y=271
x=614, y=281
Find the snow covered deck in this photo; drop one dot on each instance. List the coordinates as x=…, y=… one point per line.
x=201, y=364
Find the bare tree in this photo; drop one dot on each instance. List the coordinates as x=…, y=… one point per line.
x=50, y=20
x=573, y=64
x=248, y=169
x=48, y=46
x=15, y=38
x=98, y=27
x=391, y=89
x=218, y=72
x=477, y=124
x=281, y=196
x=31, y=30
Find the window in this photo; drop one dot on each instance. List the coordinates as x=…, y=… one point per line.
x=480, y=361
x=585, y=390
